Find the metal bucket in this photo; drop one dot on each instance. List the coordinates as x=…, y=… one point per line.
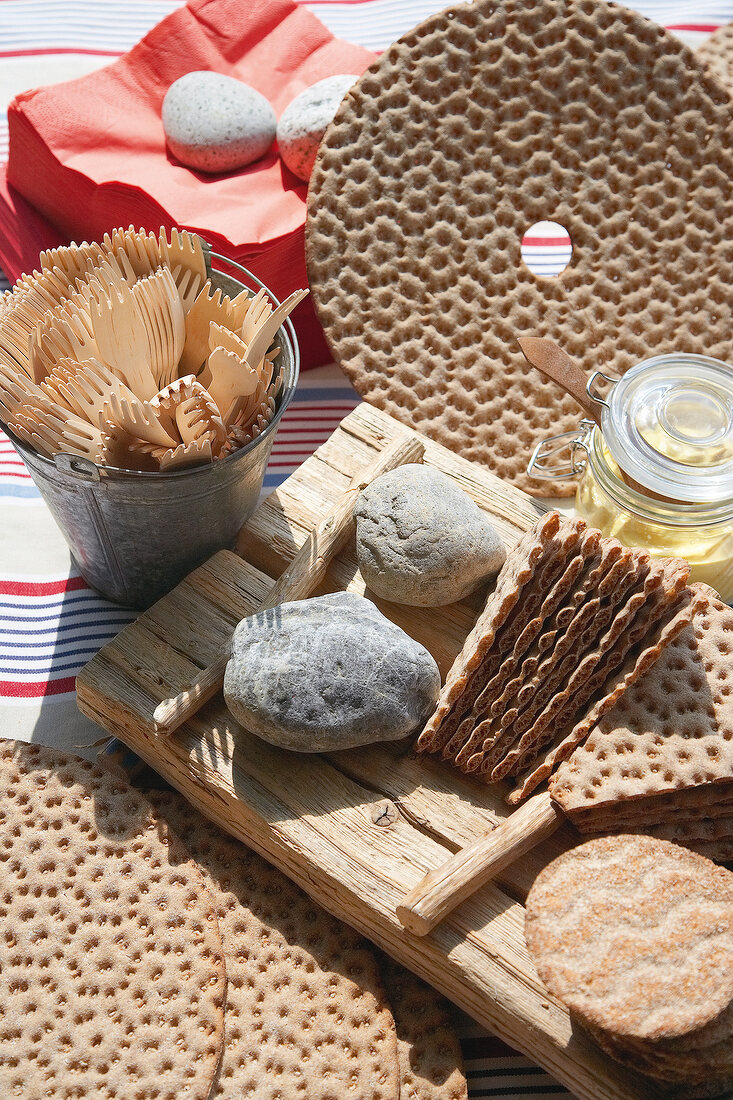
x=133, y=536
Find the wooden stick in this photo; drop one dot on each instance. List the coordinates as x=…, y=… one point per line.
x=304, y=573
x=442, y=889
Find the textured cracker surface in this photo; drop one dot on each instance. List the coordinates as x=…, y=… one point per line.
x=431, y=1062
x=520, y=567
x=484, y=120
x=639, y=646
x=495, y=733
x=519, y=695
x=486, y=685
x=306, y=1014
x=112, y=980
x=672, y=730
x=635, y=935
x=717, y=52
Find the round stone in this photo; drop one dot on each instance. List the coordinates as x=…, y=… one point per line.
x=328, y=673
x=420, y=540
x=304, y=121
x=215, y=123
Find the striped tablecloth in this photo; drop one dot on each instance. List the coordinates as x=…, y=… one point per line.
x=51, y=623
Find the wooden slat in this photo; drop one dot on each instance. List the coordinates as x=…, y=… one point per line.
x=323, y=820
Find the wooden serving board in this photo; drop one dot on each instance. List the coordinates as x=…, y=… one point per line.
x=356, y=829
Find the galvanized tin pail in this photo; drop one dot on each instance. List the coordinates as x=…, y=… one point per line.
x=134, y=535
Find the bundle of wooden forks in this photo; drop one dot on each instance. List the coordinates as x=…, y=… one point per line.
x=122, y=353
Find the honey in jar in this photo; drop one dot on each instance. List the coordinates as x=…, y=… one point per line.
x=658, y=474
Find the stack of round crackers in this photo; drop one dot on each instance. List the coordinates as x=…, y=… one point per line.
x=635, y=936
x=129, y=968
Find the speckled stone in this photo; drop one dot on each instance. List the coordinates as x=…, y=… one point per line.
x=215, y=123
x=304, y=122
x=328, y=673
x=420, y=540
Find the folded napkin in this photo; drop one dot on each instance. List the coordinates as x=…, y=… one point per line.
x=90, y=154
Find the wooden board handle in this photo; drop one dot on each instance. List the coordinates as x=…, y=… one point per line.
x=442, y=889
x=303, y=575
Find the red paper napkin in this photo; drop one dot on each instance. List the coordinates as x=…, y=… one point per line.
x=90, y=154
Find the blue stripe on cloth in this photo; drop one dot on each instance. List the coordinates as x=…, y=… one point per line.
x=75, y=667
x=21, y=492
x=87, y=596
x=318, y=394
x=55, y=644
x=55, y=618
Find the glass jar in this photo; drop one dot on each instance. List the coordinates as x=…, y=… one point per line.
x=658, y=474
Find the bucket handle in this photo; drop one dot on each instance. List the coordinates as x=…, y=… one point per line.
x=76, y=466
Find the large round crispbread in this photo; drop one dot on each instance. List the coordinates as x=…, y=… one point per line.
x=635, y=935
x=306, y=1012
x=484, y=120
x=717, y=52
x=112, y=980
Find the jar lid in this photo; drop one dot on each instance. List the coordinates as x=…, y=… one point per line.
x=669, y=425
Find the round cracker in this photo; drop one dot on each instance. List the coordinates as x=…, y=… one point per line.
x=484, y=120
x=635, y=935
x=717, y=52
x=306, y=1011
x=112, y=979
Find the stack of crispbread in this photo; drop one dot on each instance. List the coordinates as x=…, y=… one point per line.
x=635, y=936
x=574, y=619
x=127, y=969
x=661, y=760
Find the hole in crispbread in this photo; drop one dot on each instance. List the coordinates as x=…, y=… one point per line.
x=547, y=249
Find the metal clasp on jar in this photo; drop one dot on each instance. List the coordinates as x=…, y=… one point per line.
x=546, y=461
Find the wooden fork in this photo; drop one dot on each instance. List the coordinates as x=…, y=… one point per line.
x=87, y=387
x=65, y=433
x=142, y=249
x=123, y=341
x=61, y=334
x=15, y=342
x=209, y=307
x=188, y=454
x=228, y=378
x=259, y=310
x=75, y=260
x=184, y=251
x=265, y=332
x=160, y=305
x=188, y=284
x=138, y=419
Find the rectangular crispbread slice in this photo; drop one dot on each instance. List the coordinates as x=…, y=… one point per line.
x=488, y=731
x=636, y=651
x=710, y=836
x=554, y=614
x=535, y=548
x=667, y=744
x=494, y=734
x=585, y=629
x=563, y=684
x=534, y=601
x=570, y=622
x=687, y=805
x=577, y=565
